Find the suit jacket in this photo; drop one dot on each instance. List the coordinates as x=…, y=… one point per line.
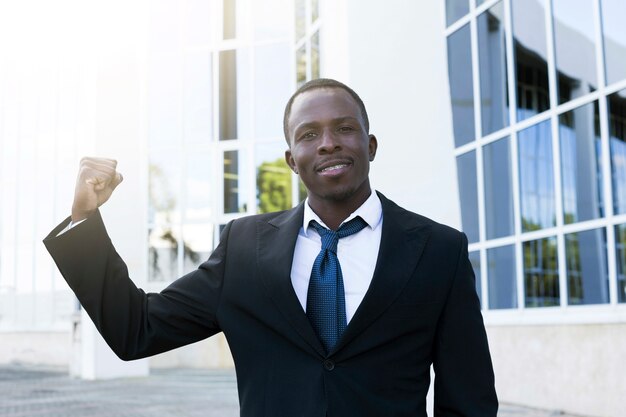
x=420, y=308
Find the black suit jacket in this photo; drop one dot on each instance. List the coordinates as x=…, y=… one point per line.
x=421, y=308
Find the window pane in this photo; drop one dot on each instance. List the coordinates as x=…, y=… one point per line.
x=230, y=19
x=587, y=277
x=300, y=8
x=498, y=189
x=501, y=277
x=531, y=68
x=162, y=253
x=199, y=193
x=494, y=96
x=315, y=10
x=474, y=258
x=197, y=96
x=537, y=199
x=271, y=19
x=456, y=9
x=164, y=178
x=235, y=182
x=197, y=245
x=614, y=32
x=575, y=49
x=461, y=90
x=197, y=28
x=468, y=193
x=581, y=169
x=541, y=273
x=620, y=252
x=617, y=140
x=272, y=88
x=301, y=60
x=234, y=95
x=273, y=178
x=315, y=55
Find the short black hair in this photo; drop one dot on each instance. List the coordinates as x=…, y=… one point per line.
x=323, y=83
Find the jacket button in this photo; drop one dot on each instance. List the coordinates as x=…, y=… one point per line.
x=329, y=365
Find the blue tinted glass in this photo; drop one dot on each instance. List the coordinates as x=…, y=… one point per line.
x=456, y=9
x=494, y=96
x=474, y=258
x=541, y=273
x=536, y=177
x=498, y=189
x=614, y=35
x=620, y=255
x=581, y=169
x=531, y=68
x=461, y=89
x=466, y=173
x=501, y=277
x=587, y=277
x=617, y=140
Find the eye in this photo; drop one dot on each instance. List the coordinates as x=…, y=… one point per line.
x=308, y=135
x=345, y=129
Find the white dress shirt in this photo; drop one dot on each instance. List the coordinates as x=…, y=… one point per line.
x=357, y=254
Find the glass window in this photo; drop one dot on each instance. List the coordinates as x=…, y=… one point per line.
x=581, y=169
x=315, y=55
x=197, y=245
x=315, y=10
x=537, y=199
x=494, y=96
x=468, y=192
x=574, y=31
x=272, y=89
x=197, y=27
x=162, y=253
x=614, y=35
x=230, y=19
x=461, y=90
x=164, y=177
x=531, y=68
x=474, y=258
x=541, y=273
x=587, y=276
x=301, y=63
x=498, y=189
x=617, y=140
x=272, y=19
x=197, y=96
x=199, y=193
x=235, y=182
x=273, y=178
x=300, y=8
x=501, y=277
x=234, y=99
x=456, y=9
x=620, y=255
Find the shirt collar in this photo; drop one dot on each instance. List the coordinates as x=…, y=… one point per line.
x=371, y=211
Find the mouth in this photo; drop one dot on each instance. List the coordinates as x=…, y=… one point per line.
x=333, y=168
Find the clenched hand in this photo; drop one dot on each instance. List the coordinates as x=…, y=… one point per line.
x=97, y=178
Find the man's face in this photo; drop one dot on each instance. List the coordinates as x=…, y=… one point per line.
x=329, y=146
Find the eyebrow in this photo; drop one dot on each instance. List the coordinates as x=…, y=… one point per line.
x=337, y=120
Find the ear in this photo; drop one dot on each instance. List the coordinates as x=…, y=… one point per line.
x=373, y=146
x=290, y=161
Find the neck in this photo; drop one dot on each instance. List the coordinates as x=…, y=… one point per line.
x=333, y=212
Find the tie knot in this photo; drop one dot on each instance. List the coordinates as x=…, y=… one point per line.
x=330, y=238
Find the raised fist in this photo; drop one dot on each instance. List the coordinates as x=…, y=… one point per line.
x=97, y=178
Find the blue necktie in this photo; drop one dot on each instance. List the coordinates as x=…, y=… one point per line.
x=326, y=301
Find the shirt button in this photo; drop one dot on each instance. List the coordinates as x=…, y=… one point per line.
x=329, y=365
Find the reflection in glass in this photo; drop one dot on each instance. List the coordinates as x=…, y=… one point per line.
x=228, y=95
x=587, y=276
x=494, y=96
x=197, y=96
x=315, y=55
x=198, y=191
x=474, y=258
x=537, y=201
x=581, y=168
x=162, y=254
x=498, y=189
x=272, y=88
x=315, y=10
x=456, y=9
x=575, y=49
x=300, y=8
x=301, y=60
x=620, y=256
x=468, y=193
x=541, y=273
x=501, y=277
x=234, y=182
x=197, y=245
x=163, y=184
x=461, y=90
x=531, y=68
x=229, y=21
x=617, y=140
x=273, y=179
x=614, y=36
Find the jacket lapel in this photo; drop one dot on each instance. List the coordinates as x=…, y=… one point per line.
x=402, y=243
x=276, y=241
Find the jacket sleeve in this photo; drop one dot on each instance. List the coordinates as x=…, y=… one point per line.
x=464, y=379
x=133, y=323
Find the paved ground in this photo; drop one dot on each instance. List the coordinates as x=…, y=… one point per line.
x=27, y=391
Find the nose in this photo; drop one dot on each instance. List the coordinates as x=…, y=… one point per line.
x=328, y=143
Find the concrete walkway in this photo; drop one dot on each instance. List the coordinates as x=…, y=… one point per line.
x=27, y=391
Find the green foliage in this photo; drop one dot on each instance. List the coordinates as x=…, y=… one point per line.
x=274, y=186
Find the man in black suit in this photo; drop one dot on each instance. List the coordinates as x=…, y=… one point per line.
x=402, y=294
